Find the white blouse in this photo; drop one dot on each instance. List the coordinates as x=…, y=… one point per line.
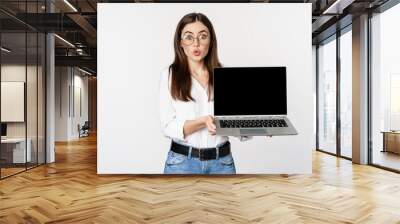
x=174, y=113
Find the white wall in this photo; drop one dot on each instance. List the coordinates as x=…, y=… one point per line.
x=135, y=45
x=68, y=81
x=61, y=103
x=80, y=84
x=12, y=101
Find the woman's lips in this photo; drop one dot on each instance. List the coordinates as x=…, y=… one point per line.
x=196, y=53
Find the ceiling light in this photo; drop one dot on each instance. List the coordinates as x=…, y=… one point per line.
x=64, y=40
x=84, y=71
x=70, y=5
x=338, y=6
x=5, y=50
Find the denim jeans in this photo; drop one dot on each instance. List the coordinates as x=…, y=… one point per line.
x=180, y=164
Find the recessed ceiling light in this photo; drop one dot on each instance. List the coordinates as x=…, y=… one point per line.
x=84, y=71
x=5, y=50
x=338, y=6
x=64, y=40
x=70, y=5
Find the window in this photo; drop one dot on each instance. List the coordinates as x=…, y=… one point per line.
x=346, y=93
x=385, y=88
x=327, y=96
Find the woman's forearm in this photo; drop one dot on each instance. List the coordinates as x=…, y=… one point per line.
x=192, y=126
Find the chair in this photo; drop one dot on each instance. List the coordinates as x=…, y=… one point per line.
x=84, y=130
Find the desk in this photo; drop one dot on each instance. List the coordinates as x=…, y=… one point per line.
x=13, y=150
x=391, y=141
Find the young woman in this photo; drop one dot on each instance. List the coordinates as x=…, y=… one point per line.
x=186, y=102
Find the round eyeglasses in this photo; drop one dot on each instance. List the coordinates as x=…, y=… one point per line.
x=188, y=39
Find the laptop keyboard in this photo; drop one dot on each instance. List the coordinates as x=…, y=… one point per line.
x=252, y=123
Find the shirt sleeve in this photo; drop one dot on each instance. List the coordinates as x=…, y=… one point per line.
x=171, y=125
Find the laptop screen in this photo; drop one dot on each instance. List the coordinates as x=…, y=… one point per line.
x=250, y=91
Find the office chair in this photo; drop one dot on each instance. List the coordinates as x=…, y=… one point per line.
x=84, y=130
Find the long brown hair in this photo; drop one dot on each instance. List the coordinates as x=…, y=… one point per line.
x=181, y=82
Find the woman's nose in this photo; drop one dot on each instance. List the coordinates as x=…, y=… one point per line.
x=196, y=42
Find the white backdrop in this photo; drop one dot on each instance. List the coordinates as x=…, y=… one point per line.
x=135, y=43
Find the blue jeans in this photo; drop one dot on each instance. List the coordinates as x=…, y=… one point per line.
x=180, y=164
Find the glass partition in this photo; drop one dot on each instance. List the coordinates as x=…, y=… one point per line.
x=41, y=88
x=32, y=96
x=22, y=63
x=14, y=153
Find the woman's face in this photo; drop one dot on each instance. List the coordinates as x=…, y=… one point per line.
x=195, y=41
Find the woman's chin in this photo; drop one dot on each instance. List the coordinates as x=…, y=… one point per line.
x=197, y=58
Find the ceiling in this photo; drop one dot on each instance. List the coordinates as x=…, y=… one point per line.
x=76, y=22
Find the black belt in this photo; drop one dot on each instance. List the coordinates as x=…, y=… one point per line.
x=202, y=153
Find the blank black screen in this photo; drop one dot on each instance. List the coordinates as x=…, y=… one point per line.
x=250, y=91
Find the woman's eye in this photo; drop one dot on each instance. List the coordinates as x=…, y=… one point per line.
x=203, y=37
x=189, y=38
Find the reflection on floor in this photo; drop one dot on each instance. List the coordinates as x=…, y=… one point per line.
x=386, y=159
x=347, y=152
x=10, y=171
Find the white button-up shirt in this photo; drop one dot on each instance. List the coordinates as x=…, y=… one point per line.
x=174, y=113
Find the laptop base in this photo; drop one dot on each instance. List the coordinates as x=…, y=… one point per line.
x=255, y=131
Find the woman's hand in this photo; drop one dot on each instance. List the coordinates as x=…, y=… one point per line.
x=191, y=126
x=209, y=123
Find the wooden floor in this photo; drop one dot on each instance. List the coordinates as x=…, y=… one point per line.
x=70, y=191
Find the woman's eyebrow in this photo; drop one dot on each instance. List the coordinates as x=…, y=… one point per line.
x=202, y=31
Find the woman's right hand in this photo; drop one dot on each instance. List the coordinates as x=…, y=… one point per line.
x=208, y=121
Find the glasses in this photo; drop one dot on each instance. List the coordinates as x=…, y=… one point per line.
x=188, y=39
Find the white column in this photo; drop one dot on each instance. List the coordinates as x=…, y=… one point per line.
x=50, y=92
x=50, y=110
x=360, y=90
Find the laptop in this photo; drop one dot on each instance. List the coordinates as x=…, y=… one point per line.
x=251, y=101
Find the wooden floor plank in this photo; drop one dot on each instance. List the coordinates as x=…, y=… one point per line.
x=70, y=191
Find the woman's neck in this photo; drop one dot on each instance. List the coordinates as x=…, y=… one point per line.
x=197, y=66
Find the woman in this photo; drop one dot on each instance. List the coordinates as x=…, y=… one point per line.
x=186, y=102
